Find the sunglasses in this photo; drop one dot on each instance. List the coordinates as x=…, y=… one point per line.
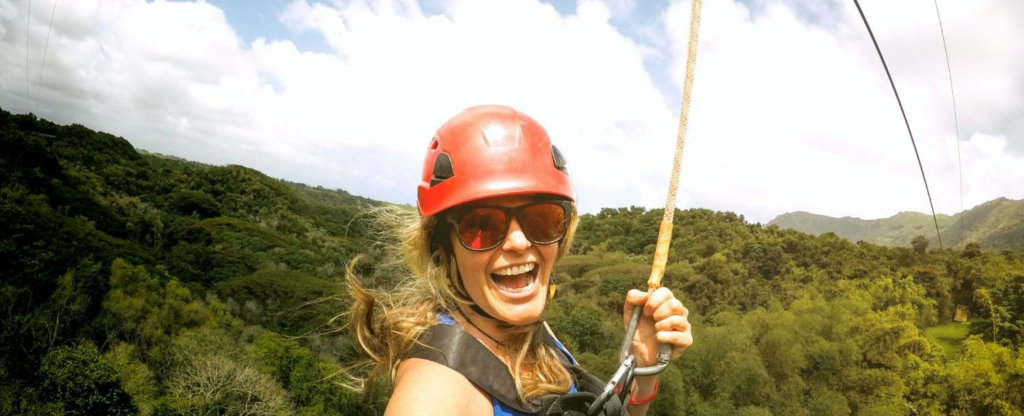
x=482, y=228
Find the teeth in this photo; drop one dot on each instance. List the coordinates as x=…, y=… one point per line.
x=514, y=270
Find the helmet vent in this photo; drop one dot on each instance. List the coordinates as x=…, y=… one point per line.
x=442, y=169
x=556, y=155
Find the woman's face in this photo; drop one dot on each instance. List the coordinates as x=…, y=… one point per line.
x=510, y=281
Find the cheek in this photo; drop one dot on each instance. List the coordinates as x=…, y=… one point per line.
x=549, y=253
x=471, y=266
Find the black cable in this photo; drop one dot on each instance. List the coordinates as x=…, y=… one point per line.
x=28, y=36
x=956, y=120
x=919, y=164
x=45, y=46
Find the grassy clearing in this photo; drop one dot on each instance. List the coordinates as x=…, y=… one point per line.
x=949, y=336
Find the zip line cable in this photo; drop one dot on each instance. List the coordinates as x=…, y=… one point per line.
x=898, y=101
x=42, y=64
x=28, y=35
x=956, y=121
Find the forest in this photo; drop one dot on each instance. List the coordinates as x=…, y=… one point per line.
x=136, y=283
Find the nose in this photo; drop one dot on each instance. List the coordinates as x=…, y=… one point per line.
x=515, y=240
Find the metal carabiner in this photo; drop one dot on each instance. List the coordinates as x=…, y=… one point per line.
x=664, y=351
x=622, y=380
x=618, y=384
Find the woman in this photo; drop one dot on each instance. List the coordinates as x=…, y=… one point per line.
x=496, y=212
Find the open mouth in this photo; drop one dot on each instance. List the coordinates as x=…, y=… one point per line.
x=516, y=280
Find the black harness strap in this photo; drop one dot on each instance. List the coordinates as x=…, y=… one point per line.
x=451, y=346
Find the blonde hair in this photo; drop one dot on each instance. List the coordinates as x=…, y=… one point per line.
x=387, y=322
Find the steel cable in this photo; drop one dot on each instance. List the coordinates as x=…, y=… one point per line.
x=28, y=36
x=956, y=121
x=898, y=101
x=46, y=45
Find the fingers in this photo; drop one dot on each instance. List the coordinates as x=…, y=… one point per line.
x=657, y=299
x=635, y=297
x=673, y=323
x=680, y=341
x=672, y=307
x=659, y=305
x=667, y=314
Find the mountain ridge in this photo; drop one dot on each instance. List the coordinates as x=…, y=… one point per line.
x=996, y=224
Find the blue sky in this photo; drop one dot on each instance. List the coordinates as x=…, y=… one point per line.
x=254, y=19
x=791, y=108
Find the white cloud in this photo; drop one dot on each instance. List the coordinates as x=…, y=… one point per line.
x=787, y=115
x=794, y=116
x=174, y=77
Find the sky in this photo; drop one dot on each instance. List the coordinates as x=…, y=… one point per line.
x=791, y=107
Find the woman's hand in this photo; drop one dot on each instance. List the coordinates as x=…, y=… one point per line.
x=663, y=322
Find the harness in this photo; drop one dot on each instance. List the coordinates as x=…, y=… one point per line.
x=452, y=347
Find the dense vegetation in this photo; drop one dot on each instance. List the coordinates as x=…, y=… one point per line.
x=133, y=283
x=997, y=224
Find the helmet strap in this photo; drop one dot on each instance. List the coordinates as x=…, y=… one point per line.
x=480, y=311
x=500, y=343
x=477, y=309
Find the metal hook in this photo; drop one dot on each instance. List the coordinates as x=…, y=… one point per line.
x=664, y=351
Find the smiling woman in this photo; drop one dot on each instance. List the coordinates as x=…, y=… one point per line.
x=496, y=211
x=511, y=280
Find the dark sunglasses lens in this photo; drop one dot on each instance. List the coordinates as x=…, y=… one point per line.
x=543, y=223
x=481, y=228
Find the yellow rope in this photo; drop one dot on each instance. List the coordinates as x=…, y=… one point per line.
x=665, y=233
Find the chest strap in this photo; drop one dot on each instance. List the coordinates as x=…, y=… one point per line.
x=451, y=346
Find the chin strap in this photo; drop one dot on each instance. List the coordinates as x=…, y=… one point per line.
x=464, y=316
x=480, y=311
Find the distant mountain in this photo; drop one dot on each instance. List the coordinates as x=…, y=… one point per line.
x=996, y=224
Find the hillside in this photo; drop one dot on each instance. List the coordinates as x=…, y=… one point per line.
x=996, y=224
x=141, y=284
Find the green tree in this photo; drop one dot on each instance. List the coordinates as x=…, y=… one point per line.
x=988, y=378
x=313, y=383
x=79, y=379
x=920, y=245
x=136, y=377
x=143, y=312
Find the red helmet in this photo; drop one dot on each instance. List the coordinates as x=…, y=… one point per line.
x=489, y=151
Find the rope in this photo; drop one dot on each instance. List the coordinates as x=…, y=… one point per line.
x=960, y=165
x=45, y=46
x=665, y=233
x=893, y=84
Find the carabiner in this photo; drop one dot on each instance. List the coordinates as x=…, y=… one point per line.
x=664, y=351
x=619, y=384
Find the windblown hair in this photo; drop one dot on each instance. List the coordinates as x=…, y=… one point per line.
x=387, y=322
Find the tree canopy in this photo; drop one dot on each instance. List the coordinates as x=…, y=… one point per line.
x=135, y=283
